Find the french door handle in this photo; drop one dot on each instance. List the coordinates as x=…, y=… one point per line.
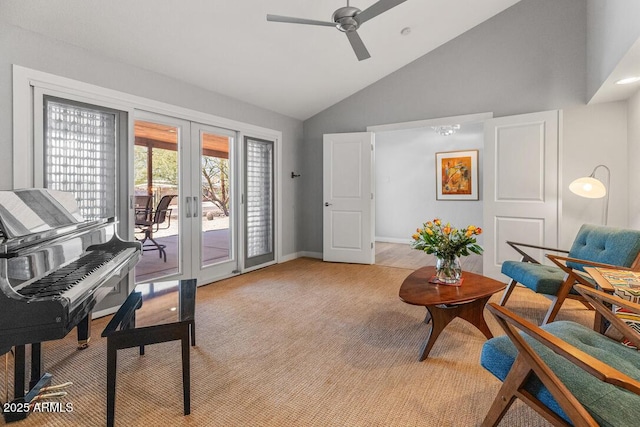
x=187, y=202
x=195, y=207
x=327, y=204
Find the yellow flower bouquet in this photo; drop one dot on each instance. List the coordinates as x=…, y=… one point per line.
x=447, y=243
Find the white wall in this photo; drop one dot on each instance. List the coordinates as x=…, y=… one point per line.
x=405, y=181
x=633, y=160
x=593, y=135
x=31, y=50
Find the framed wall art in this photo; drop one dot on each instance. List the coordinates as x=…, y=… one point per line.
x=457, y=175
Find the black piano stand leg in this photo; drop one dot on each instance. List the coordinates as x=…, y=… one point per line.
x=186, y=370
x=112, y=358
x=36, y=364
x=84, y=332
x=192, y=329
x=19, y=371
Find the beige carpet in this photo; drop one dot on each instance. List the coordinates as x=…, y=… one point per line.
x=304, y=343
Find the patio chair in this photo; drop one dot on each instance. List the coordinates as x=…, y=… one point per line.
x=152, y=223
x=594, y=246
x=143, y=208
x=568, y=373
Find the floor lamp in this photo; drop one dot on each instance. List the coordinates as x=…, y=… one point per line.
x=592, y=188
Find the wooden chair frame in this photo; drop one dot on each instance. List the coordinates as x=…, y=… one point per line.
x=528, y=362
x=571, y=277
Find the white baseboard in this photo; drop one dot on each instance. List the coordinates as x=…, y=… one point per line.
x=307, y=254
x=289, y=257
x=392, y=240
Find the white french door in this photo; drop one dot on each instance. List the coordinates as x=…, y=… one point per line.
x=520, y=186
x=195, y=165
x=161, y=161
x=214, y=213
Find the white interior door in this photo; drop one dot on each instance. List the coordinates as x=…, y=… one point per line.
x=520, y=186
x=348, y=218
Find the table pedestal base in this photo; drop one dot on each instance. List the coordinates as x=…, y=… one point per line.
x=441, y=315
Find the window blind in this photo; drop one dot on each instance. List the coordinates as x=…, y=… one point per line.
x=259, y=194
x=80, y=155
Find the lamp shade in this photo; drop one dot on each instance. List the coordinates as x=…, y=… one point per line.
x=588, y=187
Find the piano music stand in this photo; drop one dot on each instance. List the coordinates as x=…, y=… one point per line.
x=122, y=332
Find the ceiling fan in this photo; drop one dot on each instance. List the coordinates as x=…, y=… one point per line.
x=346, y=19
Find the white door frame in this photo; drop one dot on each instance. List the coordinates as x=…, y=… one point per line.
x=467, y=118
x=426, y=123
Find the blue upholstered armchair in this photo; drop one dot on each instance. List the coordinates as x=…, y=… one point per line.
x=595, y=246
x=568, y=373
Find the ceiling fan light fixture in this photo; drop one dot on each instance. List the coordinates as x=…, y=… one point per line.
x=344, y=18
x=446, y=130
x=347, y=24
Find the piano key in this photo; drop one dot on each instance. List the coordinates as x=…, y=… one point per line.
x=99, y=275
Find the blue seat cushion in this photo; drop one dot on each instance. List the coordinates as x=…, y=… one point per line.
x=608, y=405
x=540, y=278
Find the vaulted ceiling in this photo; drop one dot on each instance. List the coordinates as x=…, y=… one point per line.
x=229, y=47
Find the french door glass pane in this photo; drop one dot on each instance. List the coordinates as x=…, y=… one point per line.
x=259, y=228
x=157, y=217
x=216, y=187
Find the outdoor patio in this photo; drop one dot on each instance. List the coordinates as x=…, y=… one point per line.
x=215, y=248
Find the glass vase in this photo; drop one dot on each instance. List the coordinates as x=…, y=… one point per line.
x=448, y=270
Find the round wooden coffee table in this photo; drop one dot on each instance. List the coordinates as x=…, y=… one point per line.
x=445, y=302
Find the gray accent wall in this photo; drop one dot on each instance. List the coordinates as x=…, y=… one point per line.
x=613, y=26
x=531, y=57
x=32, y=50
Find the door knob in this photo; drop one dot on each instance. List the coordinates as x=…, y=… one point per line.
x=327, y=204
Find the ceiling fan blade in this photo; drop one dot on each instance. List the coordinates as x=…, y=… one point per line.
x=376, y=9
x=291, y=20
x=357, y=45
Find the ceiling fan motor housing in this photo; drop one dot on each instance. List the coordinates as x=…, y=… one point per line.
x=344, y=18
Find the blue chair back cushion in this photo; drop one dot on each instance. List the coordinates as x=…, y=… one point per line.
x=608, y=245
x=608, y=405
